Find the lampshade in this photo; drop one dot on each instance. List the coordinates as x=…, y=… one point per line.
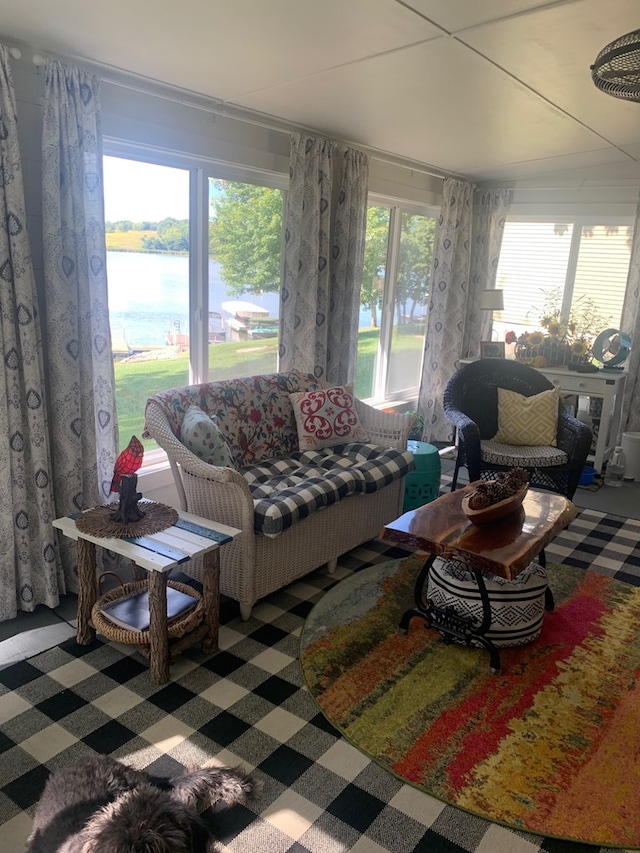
x=492, y=300
x=616, y=70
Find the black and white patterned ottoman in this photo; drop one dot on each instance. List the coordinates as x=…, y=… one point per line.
x=517, y=606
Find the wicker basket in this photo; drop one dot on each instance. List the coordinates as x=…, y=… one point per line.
x=177, y=627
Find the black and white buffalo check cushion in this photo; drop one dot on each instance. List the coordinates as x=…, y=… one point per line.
x=285, y=490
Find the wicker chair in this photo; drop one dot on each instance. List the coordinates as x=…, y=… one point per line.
x=471, y=405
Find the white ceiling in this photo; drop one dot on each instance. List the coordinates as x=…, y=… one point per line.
x=495, y=90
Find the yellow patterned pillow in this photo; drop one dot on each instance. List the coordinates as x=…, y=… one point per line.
x=531, y=421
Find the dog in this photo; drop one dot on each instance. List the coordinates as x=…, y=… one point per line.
x=100, y=805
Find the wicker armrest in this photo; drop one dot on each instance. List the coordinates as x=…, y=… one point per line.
x=574, y=437
x=389, y=429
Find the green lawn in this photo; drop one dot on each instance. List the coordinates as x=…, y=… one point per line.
x=137, y=381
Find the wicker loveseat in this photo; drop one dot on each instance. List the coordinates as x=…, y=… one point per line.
x=297, y=509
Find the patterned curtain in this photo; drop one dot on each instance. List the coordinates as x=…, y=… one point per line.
x=323, y=256
x=465, y=262
x=447, y=305
x=29, y=569
x=79, y=361
x=347, y=261
x=490, y=211
x=630, y=323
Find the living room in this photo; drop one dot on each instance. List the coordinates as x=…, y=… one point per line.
x=519, y=74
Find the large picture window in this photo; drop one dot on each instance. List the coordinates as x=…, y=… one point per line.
x=147, y=237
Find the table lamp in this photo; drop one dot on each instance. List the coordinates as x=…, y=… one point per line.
x=492, y=300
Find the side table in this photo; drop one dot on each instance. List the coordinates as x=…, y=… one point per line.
x=158, y=553
x=503, y=548
x=423, y=484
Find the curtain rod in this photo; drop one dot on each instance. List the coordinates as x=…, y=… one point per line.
x=216, y=106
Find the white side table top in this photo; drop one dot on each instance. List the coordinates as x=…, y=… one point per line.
x=162, y=551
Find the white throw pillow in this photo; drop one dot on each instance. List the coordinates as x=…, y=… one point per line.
x=202, y=436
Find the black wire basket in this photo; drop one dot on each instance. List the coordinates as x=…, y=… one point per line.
x=616, y=70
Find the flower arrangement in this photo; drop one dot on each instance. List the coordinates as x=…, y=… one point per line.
x=558, y=343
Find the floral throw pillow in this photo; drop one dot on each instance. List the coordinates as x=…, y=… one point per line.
x=202, y=436
x=325, y=418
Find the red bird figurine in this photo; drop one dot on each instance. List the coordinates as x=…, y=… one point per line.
x=127, y=462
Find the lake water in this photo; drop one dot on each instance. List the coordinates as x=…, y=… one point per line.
x=149, y=297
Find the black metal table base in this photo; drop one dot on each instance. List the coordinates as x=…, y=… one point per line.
x=456, y=628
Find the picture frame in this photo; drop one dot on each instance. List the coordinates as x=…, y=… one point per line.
x=492, y=349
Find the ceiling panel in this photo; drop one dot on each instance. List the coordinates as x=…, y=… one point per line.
x=467, y=118
x=222, y=48
x=607, y=161
x=552, y=52
x=455, y=15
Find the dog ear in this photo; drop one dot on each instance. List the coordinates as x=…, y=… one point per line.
x=223, y=786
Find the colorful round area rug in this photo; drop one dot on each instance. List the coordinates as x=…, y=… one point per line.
x=551, y=746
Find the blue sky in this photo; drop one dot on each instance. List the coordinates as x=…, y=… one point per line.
x=138, y=191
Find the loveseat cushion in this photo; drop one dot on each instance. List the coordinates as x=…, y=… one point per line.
x=288, y=489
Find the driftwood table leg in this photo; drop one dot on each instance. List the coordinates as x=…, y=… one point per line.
x=87, y=592
x=211, y=597
x=158, y=633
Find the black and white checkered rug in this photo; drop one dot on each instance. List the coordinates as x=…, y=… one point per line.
x=247, y=705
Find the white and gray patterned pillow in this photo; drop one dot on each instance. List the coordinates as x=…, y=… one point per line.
x=202, y=436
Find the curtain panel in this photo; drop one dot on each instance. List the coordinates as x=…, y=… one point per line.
x=490, y=210
x=79, y=359
x=465, y=262
x=29, y=565
x=447, y=305
x=347, y=261
x=323, y=254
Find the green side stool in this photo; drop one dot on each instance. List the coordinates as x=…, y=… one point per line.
x=422, y=485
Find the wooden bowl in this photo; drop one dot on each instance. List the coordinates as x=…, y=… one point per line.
x=496, y=511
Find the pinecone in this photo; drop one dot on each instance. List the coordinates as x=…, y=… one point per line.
x=502, y=486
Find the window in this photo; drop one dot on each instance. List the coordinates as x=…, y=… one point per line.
x=577, y=268
x=193, y=267
x=394, y=297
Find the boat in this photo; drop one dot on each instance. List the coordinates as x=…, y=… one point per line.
x=264, y=328
x=241, y=315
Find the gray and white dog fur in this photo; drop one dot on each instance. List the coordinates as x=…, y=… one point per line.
x=99, y=805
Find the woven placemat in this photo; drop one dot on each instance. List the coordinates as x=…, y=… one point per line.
x=98, y=522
